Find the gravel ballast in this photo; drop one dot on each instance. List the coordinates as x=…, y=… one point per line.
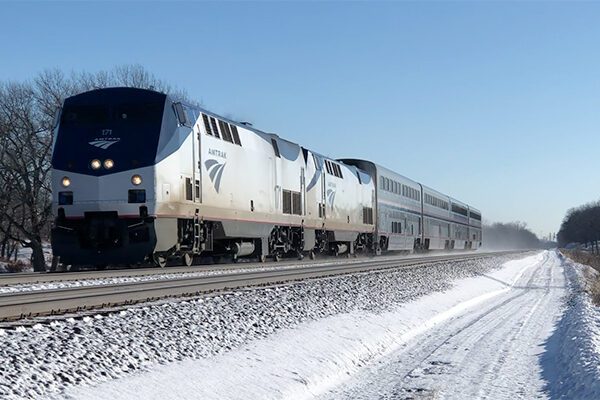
x=44, y=359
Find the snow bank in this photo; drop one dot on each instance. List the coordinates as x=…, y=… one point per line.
x=312, y=358
x=575, y=374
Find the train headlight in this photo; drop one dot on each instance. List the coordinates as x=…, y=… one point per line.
x=95, y=164
x=108, y=163
x=136, y=180
x=66, y=182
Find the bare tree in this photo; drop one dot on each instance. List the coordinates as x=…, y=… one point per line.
x=27, y=115
x=130, y=75
x=25, y=170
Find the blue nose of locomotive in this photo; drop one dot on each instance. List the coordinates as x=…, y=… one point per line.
x=103, y=165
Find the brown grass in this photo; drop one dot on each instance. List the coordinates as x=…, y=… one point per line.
x=595, y=291
x=15, y=266
x=593, y=279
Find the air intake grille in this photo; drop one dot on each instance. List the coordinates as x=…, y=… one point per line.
x=367, y=215
x=292, y=202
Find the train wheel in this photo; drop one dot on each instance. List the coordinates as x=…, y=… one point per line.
x=300, y=256
x=188, y=259
x=160, y=261
x=276, y=258
x=312, y=255
x=262, y=258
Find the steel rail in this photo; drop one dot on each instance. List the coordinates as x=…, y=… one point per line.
x=19, y=305
x=20, y=278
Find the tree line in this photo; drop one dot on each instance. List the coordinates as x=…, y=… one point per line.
x=28, y=114
x=581, y=225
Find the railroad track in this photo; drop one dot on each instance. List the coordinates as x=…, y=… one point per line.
x=19, y=305
x=47, y=277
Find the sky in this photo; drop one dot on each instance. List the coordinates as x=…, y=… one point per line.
x=496, y=104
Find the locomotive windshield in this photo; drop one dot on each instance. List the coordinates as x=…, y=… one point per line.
x=120, y=124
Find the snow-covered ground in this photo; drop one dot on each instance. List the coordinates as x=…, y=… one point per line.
x=24, y=253
x=453, y=330
x=24, y=256
x=572, y=354
x=113, y=345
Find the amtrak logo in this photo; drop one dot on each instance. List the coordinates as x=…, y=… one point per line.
x=330, y=197
x=318, y=171
x=215, y=172
x=104, y=143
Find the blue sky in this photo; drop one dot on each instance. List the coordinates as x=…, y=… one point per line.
x=496, y=104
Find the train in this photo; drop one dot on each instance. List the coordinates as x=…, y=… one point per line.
x=140, y=177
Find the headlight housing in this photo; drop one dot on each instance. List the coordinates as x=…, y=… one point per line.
x=108, y=163
x=65, y=181
x=136, y=180
x=95, y=164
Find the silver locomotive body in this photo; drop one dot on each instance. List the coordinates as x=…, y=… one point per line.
x=138, y=177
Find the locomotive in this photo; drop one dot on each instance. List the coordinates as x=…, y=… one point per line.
x=139, y=177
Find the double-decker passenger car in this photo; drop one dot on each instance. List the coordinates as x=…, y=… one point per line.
x=412, y=216
x=475, y=235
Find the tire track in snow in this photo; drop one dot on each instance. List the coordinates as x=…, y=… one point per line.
x=485, y=353
x=500, y=364
x=479, y=334
x=502, y=336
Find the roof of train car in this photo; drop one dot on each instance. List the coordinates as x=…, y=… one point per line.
x=474, y=209
x=380, y=167
x=425, y=187
x=460, y=203
x=255, y=130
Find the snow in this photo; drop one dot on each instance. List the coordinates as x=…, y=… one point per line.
x=473, y=329
x=24, y=256
x=86, y=352
x=504, y=316
x=575, y=372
